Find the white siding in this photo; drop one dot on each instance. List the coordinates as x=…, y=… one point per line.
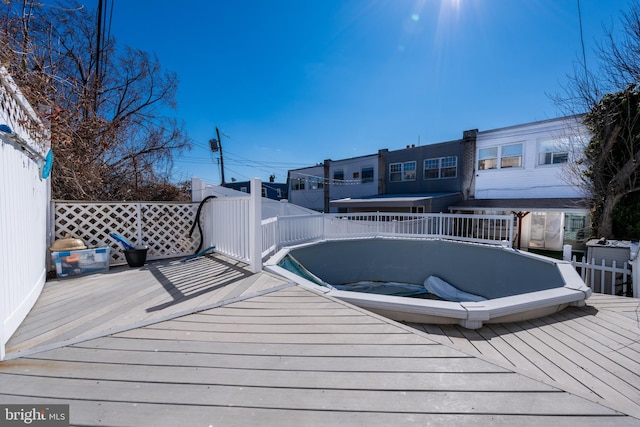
x=531, y=180
x=350, y=186
x=308, y=198
x=353, y=186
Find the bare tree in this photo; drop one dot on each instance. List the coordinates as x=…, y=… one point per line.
x=107, y=106
x=613, y=154
x=607, y=165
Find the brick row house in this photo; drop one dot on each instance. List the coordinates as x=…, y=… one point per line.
x=519, y=170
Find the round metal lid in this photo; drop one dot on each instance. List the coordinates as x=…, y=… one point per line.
x=68, y=243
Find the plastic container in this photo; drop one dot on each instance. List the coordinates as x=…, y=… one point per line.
x=85, y=261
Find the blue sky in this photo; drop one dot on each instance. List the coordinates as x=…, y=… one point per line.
x=291, y=82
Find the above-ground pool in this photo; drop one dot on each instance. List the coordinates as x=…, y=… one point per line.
x=489, y=283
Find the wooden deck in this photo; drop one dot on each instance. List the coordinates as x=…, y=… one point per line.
x=259, y=351
x=76, y=309
x=593, y=350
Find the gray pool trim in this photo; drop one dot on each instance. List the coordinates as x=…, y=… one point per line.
x=471, y=315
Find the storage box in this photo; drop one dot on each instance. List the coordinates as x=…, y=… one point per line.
x=85, y=261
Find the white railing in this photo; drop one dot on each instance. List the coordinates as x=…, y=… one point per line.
x=232, y=221
x=288, y=230
x=604, y=279
x=229, y=219
x=269, y=236
x=491, y=229
x=23, y=210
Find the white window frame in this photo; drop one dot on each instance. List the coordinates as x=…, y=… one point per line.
x=490, y=155
x=405, y=170
x=552, y=149
x=495, y=155
x=503, y=157
x=440, y=162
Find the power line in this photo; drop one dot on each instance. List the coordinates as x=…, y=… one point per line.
x=584, y=56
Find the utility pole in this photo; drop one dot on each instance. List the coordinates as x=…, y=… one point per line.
x=216, y=145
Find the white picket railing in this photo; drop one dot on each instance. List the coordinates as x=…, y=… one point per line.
x=604, y=279
x=288, y=230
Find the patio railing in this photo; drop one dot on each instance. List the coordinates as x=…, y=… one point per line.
x=288, y=230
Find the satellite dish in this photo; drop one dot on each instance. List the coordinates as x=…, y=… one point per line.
x=214, y=144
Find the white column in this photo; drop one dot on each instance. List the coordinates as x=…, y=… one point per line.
x=255, y=225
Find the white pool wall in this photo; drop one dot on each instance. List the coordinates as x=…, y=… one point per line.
x=519, y=285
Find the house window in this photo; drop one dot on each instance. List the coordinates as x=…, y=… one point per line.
x=367, y=175
x=316, y=183
x=264, y=192
x=443, y=167
x=550, y=152
x=432, y=168
x=488, y=158
x=338, y=177
x=511, y=156
x=505, y=156
x=449, y=167
x=402, y=171
x=297, y=183
x=278, y=193
x=244, y=189
x=395, y=172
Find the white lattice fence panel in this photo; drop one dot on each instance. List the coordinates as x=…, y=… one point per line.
x=163, y=227
x=166, y=229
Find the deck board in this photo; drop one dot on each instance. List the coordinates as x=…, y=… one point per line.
x=70, y=309
x=125, y=414
x=261, y=351
x=592, y=350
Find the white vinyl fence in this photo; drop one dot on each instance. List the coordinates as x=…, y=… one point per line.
x=24, y=199
x=231, y=221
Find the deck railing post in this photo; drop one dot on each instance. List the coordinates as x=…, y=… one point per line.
x=197, y=189
x=635, y=276
x=255, y=226
x=276, y=235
